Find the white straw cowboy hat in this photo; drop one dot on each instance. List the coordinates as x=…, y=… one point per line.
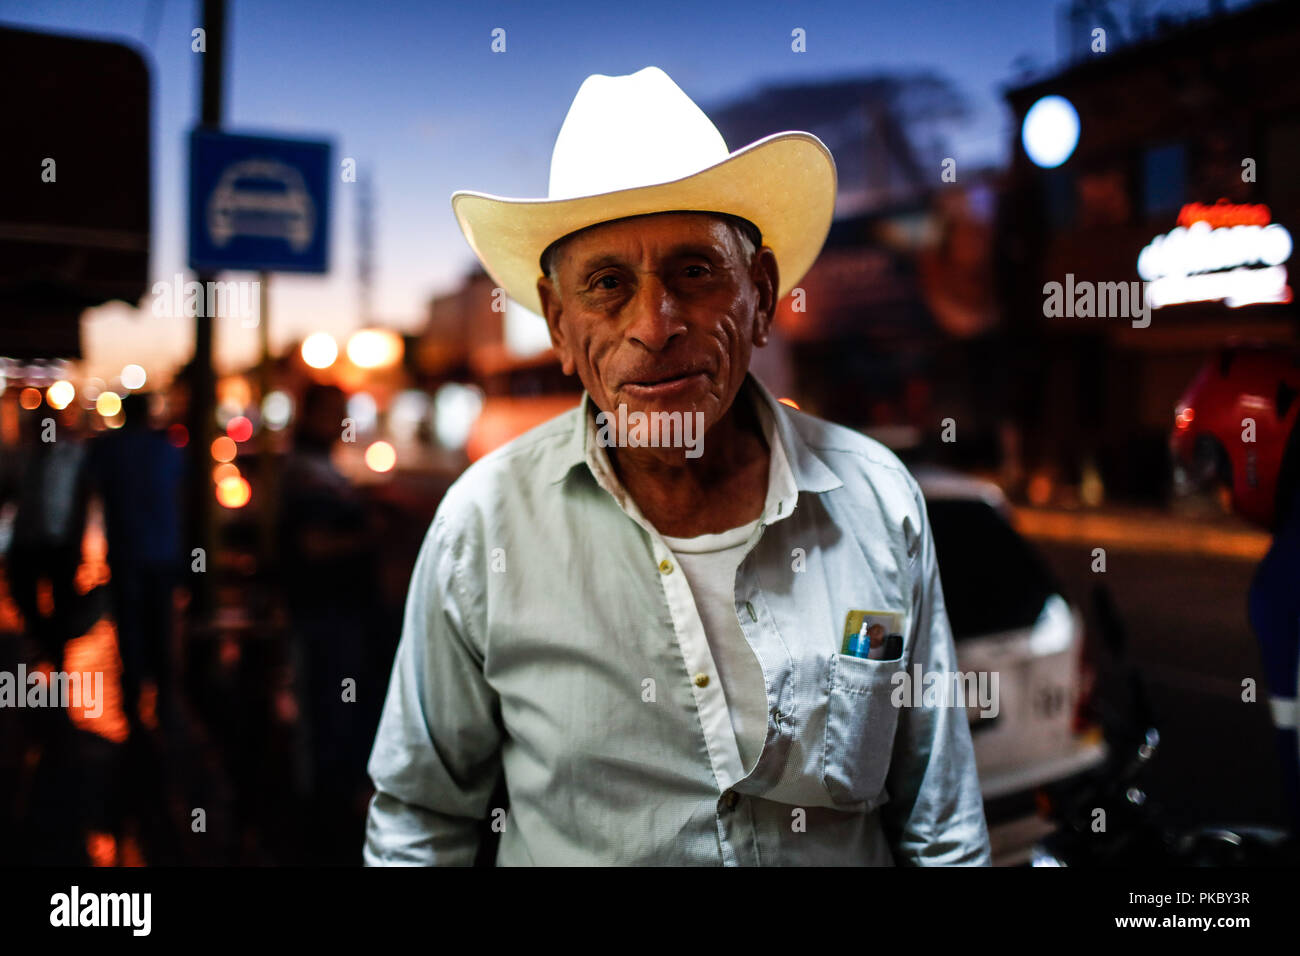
x=637, y=144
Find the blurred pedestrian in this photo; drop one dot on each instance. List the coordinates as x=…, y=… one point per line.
x=1275, y=617
x=329, y=584
x=137, y=473
x=48, y=529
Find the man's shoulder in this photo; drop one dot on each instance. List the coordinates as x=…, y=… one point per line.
x=875, y=481
x=852, y=455
x=513, y=476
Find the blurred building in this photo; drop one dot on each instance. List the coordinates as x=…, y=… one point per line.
x=1196, y=114
x=904, y=276
x=74, y=223
x=475, y=335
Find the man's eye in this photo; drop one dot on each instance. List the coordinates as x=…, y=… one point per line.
x=604, y=278
x=702, y=271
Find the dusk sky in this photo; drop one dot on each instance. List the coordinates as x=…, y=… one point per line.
x=413, y=93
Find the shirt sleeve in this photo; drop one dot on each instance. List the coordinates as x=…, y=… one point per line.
x=935, y=814
x=436, y=757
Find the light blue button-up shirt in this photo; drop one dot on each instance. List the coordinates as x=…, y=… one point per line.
x=550, y=637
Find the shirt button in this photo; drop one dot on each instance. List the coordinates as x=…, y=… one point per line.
x=701, y=680
x=665, y=566
x=730, y=799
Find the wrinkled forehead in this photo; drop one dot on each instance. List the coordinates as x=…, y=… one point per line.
x=693, y=225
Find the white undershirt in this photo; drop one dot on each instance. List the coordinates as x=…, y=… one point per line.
x=709, y=562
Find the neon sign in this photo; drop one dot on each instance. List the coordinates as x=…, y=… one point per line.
x=1226, y=252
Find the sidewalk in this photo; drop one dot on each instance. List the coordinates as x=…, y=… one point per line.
x=1144, y=529
x=83, y=790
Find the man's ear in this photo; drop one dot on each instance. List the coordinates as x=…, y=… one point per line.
x=551, y=311
x=767, y=279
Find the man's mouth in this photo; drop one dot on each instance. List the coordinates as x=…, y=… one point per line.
x=661, y=379
x=661, y=385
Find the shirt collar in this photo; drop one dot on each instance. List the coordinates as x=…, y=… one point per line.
x=795, y=465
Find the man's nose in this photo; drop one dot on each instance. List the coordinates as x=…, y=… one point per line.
x=656, y=316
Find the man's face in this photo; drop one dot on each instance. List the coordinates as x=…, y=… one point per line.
x=660, y=313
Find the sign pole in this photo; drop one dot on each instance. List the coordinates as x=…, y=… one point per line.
x=203, y=382
x=268, y=478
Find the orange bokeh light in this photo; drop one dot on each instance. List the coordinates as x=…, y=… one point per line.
x=223, y=449
x=1040, y=490
x=234, y=492
x=381, y=457
x=108, y=404
x=30, y=398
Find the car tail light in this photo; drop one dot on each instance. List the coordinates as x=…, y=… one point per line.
x=1184, y=418
x=1082, y=719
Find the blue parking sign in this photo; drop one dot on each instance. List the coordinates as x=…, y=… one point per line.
x=258, y=203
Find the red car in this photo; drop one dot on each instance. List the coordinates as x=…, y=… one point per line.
x=1246, y=391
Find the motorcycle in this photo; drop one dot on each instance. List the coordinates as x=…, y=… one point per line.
x=1111, y=821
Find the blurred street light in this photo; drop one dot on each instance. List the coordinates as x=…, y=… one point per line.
x=375, y=348
x=223, y=449
x=60, y=394
x=319, y=350
x=456, y=408
x=108, y=404
x=381, y=457
x=234, y=492
x=133, y=377
x=239, y=428
x=1050, y=131
x=364, y=411
x=277, y=409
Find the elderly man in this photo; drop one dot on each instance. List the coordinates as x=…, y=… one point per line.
x=655, y=641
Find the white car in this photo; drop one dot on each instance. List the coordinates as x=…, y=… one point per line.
x=1008, y=616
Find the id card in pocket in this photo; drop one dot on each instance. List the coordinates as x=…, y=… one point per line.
x=873, y=635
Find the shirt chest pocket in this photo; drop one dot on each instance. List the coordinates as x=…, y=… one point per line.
x=860, y=725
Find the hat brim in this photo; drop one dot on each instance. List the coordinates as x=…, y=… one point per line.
x=784, y=183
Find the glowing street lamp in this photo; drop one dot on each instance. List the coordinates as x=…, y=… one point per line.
x=60, y=394
x=234, y=492
x=319, y=350
x=375, y=348
x=223, y=449
x=381, y=457
x=239, y=428
x=1050, y=131
x=108, y=404
x=132, y=378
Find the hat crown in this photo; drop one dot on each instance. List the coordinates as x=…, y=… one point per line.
x=623, y=132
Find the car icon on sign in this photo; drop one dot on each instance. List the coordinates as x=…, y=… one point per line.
x=262, y=198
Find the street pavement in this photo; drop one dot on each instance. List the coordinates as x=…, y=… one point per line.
x=1180, y=585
